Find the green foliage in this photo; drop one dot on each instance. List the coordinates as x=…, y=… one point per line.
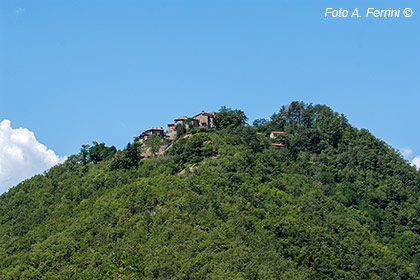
x=192, y=149
x=228, y=118
x=84, y=153
x=99, y=152
x=180, y=130
x=154, y=143
x=335, y=203
x=95, y=153
x=129, y=157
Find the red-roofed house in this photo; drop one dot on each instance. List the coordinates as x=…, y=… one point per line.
x=180, y=120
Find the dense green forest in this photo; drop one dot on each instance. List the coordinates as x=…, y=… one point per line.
x=222, y=203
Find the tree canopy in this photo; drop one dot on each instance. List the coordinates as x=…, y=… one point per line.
x=228, y=118
x=334, y=203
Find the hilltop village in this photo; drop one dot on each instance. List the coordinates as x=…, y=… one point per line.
x=203, y=119
x=337, y=203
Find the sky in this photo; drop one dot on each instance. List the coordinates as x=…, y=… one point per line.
x=73, y=72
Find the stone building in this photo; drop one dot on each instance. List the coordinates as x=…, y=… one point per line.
x=171, y=133
x=181, y=120
x=156, y=131
x=204, y=120
x=200, y=120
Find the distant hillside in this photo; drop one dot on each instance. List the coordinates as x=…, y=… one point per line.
x=222, y=203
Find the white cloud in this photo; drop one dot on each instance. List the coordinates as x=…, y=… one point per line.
x=20, y=11
x=416, y=162
x=22, y=156
x=406, y=151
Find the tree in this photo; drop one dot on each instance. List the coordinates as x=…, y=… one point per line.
x=99, y=152
x=129, y=157
x=84, y=152
x=154, y=143
x=258, y=123
x=228, y=118
x=180, y=129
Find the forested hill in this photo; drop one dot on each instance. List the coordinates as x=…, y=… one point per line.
x=334, y=203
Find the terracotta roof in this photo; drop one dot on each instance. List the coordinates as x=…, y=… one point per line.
x=181, y=118
x=277, y=132
x=171, y=124
x=277, y=145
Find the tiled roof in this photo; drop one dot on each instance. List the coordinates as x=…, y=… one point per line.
x=181, y=119
x=205, y=114
x=153, y=129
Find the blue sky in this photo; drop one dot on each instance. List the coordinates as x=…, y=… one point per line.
x=73, y=72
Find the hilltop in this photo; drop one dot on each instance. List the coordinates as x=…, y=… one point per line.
x=222, y=202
